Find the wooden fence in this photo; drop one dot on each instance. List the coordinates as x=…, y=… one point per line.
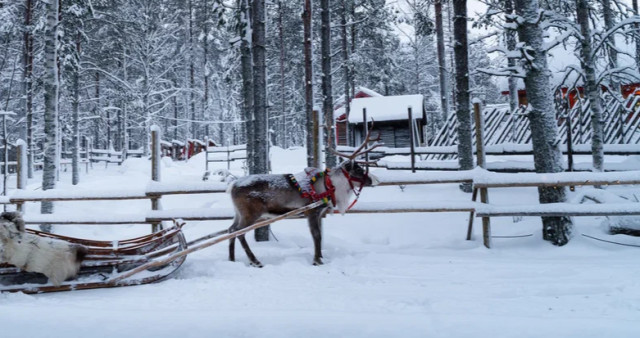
x=621, y=125
x=226, y=154
x=481, y=179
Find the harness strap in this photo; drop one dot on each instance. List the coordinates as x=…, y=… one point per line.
x=351, y=180
x=328, y=195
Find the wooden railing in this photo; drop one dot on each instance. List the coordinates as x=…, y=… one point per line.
x=482, y=181
x=233, y=153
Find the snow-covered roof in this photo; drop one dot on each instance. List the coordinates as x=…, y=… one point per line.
x=338, y=104
x=386, y=108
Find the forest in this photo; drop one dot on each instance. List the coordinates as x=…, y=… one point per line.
x=96, y=73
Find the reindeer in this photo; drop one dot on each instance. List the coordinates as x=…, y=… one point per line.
x=264, y=196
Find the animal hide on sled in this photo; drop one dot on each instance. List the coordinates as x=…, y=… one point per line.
x=56, y=259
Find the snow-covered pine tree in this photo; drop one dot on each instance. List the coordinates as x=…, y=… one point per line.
x=510, y=39
x=546, y=152
x=346, y=62
x=327, y=96
x=591, y=87
x=51, y=85
x=28, y=82
x=308, y=79
x=261, y=141
x=463, y=100
x=443, y=73
x=244, y=31
x=636, y=11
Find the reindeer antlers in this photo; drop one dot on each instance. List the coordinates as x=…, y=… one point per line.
x=359, y=151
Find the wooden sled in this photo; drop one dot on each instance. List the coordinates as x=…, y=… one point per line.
x=106, y=261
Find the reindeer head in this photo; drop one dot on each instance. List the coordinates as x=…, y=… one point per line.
x=358, y=175
x=352, y=168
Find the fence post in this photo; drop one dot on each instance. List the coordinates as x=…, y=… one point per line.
x=412, y=145
x=155, y=170
x=481, y=161
x=228, y=158
x=22, y=169
x=569, y=136
x=206, y=153
x=363, y=133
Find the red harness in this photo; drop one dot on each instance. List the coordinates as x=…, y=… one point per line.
x=351, y=180
x=330, y=190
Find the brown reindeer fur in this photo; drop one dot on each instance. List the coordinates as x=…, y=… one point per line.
x=262, y=196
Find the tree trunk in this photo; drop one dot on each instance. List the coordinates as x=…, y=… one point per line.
x=192, y=94
x=308, y=79
x=75, y=159
x=261, y=126
x=205, y=47
x=463, y=102
x=345, y=66
x=28, y=85
x=591, y=86
x=442, y=62
x=283, y=90
x=327, y=103
x=544, y=131
x=51, y=84
x=636, y=11
x=125, y=113
x=510, y=37
x=247, y=82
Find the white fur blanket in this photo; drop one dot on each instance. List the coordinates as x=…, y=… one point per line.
x=56, y=259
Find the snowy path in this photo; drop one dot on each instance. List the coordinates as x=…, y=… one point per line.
x=401, y=275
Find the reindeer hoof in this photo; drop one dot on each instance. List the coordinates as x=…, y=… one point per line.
x=256, y=264
x=317, y=262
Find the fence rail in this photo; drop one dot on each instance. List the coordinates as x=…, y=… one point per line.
x=233, y=153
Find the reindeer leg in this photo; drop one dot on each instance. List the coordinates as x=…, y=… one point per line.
x=232, y=250
x=232, y=241
x=315, y=225
x=254, y=261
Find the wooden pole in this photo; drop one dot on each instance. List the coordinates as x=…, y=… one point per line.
x=363, y=132
x=212, y=242
x=474, y=197
x=155, y=170
x=412, y=145
x=206, y=153
x=480, y=154
x=569, y=140
x=482, y=163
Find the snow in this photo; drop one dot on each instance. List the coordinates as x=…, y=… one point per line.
x=385, y=275
x=386, y=108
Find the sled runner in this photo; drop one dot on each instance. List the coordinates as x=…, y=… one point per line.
x=105, y=261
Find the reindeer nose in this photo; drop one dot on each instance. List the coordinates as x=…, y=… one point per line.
x=373, y=180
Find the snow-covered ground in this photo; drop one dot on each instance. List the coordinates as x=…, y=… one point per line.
x=393, y=275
